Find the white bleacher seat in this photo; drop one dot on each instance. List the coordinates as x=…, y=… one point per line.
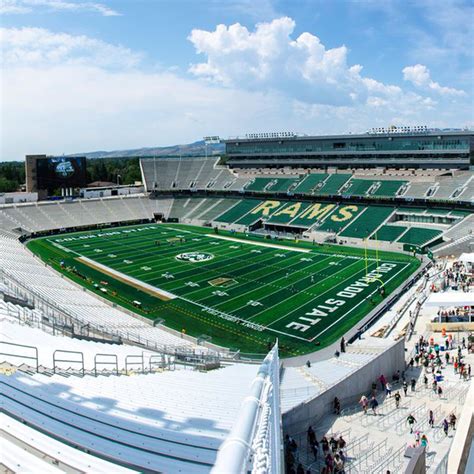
x=18, y=459
x=148, y=421
x=16, y=261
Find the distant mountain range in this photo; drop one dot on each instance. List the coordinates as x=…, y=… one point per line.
x=194, y=149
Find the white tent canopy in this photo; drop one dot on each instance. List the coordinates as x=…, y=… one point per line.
x=449, y=299
x=467, y=258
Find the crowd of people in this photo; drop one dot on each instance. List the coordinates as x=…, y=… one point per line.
x=428, y=356
x=457, y=277
x=330, y=450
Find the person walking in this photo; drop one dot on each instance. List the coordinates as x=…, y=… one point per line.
x=431, y=419
x=315, y=448
x=452, y=421
x=337, y=406
x=383, y=381
x=374, y=404
x=445, y=426
x=405, y=388
x=424, y=441
x=413, y=384
x=411, y=420
x=440, y=391
x=338, y=465
x=343, y=345
x=397, y=399
x=388, y=389
x=364, y=402
x=311, y=435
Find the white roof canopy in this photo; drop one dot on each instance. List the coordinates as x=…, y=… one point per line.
x=467, y=257
x=450, y=299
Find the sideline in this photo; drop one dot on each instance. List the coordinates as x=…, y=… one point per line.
x=260, y=244
x=140, y=285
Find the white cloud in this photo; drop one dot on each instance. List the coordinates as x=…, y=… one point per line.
x=419, y=75
x=269, y=58
x=28, y=46
x=75, y=93
x=29, y=6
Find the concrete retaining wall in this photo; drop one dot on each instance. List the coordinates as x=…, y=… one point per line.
x=461, y=445
x=348, y=390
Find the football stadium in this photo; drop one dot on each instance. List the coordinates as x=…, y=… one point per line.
x=232, y=310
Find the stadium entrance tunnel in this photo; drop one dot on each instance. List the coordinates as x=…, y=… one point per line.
x=283, y=229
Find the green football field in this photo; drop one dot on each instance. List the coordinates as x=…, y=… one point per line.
x=238, y=291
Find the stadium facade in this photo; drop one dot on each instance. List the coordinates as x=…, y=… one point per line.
x=419, y=150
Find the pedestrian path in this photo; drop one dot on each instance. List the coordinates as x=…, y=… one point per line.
x=377, y=441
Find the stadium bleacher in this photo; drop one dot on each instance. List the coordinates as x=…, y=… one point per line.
x=341, y=218
x=333, y=183
x=238, y=211
x=25, y=273
x=140, y=421
x=389, y=233
x=258, y=184
x=358, y=187
x=310, y=182
x=367, y=222
x=216, y=208
x=281, y=184
x=389, y=188
x=419, y=236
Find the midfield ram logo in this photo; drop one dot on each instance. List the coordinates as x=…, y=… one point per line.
x=194, y=257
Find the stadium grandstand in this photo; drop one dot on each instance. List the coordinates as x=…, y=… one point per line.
x=288, y=306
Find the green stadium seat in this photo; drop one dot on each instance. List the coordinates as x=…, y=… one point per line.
x=309, y=183
x=388, y=233
x=366, y=223
x=334, y=183
x=419, y=236
x=389, y=188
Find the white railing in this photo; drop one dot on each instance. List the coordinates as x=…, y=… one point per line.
x=254, y=443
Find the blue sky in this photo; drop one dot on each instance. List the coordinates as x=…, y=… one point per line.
x=82, y=76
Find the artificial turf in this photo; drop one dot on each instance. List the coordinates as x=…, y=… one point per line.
x=244, y=295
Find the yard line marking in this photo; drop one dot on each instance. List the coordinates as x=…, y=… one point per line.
x=279, y=288
x=365, y=299
x=260, y=244
x=307, y=302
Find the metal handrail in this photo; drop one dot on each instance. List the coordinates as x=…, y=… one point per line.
x=370, y=454
x=114, y=362
x=55, y=359
x=140, y=362
x=35, y=358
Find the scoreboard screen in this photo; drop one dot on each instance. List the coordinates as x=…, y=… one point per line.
x=61, y=172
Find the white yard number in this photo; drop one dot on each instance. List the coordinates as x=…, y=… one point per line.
x=220, y=293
